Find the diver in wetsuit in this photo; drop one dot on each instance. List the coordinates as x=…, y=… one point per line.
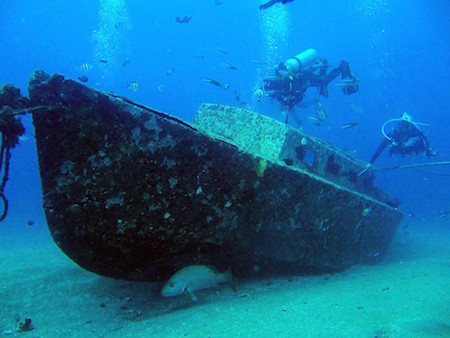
x=273, y=2
x=405, y=139
x=295, y=75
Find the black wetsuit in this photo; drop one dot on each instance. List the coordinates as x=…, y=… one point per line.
x=273, y=2
x=406, y=139
x=290, y=90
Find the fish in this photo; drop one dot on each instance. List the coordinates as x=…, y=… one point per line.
x=237, y=96
x=83, y=78
x=193, y=278
x=258, y=62
x=160, y=88
x=347, y=83
x=321, y=112
x=24, y=138
x=218, y=2
x=125, y=62
x=184, y=19
x=134, y=86
x=170, y=71
x=351, y=152
x=357, y=108
x=226, y=86
x=223, y=51
x=258, y=94
x=270, y=3
x=229, y=66
x=103, y=61
x=212, y=81
x=317, y=121
x=85, y=67
x=320, y=65
x=349, y=125
x=200, y=56
x=412, y=141
x=444, y=214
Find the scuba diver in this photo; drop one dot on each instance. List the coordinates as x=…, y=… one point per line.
x=273, y=2
x=406, y=138
x=295, y=75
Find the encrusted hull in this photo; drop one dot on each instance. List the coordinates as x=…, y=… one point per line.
x=133, y=193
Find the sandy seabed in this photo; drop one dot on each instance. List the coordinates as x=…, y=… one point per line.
x=408, y=295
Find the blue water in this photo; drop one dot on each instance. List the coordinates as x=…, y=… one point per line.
x=399, y=50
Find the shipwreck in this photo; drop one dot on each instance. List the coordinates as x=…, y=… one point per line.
x=133, y=193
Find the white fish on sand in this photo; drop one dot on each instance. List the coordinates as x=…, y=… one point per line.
x=193, y=278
